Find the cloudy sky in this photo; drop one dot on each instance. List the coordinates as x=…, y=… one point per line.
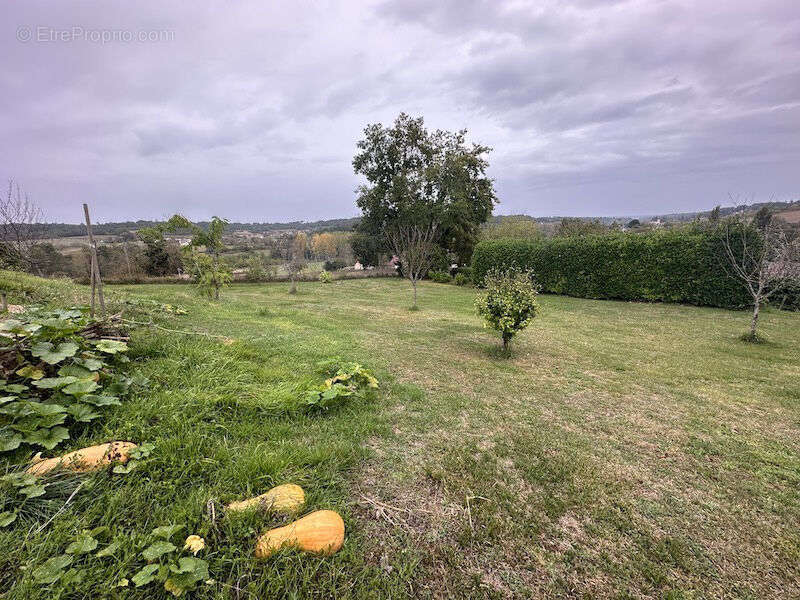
x=251, y=110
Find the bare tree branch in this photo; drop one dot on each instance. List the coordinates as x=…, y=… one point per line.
x=763, y=267
x=415, y=246
x=20, y=231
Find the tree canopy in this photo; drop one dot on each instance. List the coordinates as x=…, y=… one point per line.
x=417, y=176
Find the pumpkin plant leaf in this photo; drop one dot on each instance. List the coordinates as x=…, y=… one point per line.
x=51, y=420
x=81, y=387
x=186, y=574
x=7, y=518
x=165, y=532
x=108, y=550
x=111, y=346
x=126, y=468
x=49, y=383
x=48, y=438
x=101, y=400
x=43, y=409
x=30, y=372
x=92, y=364
x=15, y=388
x=83, y=544
x=32, y=491
x=145, y=576
x=76, y=371
x=101, y=532
x=82, y=413
x=10, y=442
x=54, y=354
x=157, y=549
x=52, y=570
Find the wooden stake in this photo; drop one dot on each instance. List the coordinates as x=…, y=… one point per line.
x=96, y=281
x=91, y=278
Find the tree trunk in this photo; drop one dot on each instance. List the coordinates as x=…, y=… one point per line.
x=216, y=291
x=754, y=320
x=293, y=288
x=414, y=284
x=506, y=341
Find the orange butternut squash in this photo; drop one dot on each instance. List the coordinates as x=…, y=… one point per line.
x=321, y=532
x=286, y=498
x=84, y=460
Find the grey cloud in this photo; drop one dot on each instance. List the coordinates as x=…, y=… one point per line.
x=592, y=107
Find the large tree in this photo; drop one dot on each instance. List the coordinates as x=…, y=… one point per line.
x=421, y=177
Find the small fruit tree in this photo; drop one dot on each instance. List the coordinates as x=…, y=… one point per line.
x=508, y=303
x=209, y=272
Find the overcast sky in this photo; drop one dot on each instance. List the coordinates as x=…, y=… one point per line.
x=251, y=110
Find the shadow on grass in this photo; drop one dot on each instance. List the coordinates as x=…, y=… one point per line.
x=498, y=352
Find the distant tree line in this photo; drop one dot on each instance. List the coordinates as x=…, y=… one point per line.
x=58, y=230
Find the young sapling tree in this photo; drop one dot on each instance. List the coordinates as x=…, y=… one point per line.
x=297, y=259
x=508, y=303
x=765, y=258
x=415, y=246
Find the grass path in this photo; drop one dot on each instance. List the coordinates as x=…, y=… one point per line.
x=625, y=450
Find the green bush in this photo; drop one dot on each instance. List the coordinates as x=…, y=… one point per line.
x=509, y=302
x=461, y=279
x=334, y=265
x=670, y=266
x=439, y=276
x=325, y=277
x=465, y=271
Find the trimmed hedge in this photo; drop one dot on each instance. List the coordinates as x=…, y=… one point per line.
x=669, y=266
x=787, y=298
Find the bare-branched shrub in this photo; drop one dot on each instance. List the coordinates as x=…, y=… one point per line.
x=20, y=229
x=765, y=260
x=415, y=246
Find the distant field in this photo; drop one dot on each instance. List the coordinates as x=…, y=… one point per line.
x=624, y=451
x=790, y=216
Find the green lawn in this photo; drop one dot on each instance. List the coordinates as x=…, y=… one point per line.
x=624, y=450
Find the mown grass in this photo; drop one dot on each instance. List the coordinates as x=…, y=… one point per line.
x=623, y=450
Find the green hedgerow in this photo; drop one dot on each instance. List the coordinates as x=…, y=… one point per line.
x=439, y=276
x=681, y=265
x=508, y=304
